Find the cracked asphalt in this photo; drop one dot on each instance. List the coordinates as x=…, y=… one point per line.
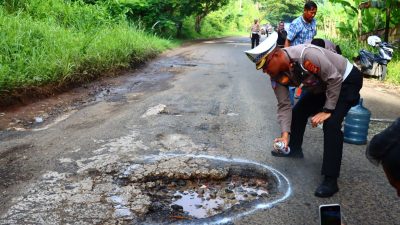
x=208, y=100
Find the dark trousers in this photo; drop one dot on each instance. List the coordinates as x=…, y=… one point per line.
x=255, y=40
x=311, y=104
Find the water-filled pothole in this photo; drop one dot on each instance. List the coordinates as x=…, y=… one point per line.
x=156, y=190
x=186, y=188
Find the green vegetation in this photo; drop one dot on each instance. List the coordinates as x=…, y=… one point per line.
x=338, y=20
x=52, y=42
x=58, y=42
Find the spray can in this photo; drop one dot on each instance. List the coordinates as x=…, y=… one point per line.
x=280, y=146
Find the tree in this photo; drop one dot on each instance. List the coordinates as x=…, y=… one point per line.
x=202, y=8
x=285, y=10
x=371, y=15
x=168, y=15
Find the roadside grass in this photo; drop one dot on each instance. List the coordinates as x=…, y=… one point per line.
x=393, y=75
x=58, y=42
x=38, y=50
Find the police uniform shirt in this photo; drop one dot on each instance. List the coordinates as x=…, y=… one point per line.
x=328, y=45
x=330, y=68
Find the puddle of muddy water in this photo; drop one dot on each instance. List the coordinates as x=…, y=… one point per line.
x=198, y=199
x=210, y=202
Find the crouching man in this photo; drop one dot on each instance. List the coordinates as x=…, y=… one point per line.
x=332, y=85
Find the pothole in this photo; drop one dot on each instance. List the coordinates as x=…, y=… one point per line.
x=191, y=189
x=157, y=190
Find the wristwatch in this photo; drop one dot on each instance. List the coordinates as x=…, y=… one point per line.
x=325, y=110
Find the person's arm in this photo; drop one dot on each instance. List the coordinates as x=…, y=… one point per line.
x=292, y=32
x=284, y=111
x=287, y=43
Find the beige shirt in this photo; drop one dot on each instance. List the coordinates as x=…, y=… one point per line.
x=255, y=28
x=328, y=45
x=331, y=69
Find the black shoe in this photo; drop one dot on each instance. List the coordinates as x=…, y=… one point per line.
x=328, y=188
x=296, y=154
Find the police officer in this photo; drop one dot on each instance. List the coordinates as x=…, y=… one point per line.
x=332, y=85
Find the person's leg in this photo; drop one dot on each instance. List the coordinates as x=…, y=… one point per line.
x=305, y=107
x=333, y=149
x=257, y=39
x=333, y=140
x=333, y=136
x=253, y=40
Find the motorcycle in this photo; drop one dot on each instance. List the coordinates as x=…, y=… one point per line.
x=375, y=64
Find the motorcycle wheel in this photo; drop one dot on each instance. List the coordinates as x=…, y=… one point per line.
x=383, y=70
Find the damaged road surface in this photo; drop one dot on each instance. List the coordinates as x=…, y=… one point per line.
x=157, y=190
x=183, y=140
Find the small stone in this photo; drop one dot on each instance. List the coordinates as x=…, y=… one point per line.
x=156, y=206
x=213, y=195
x=178, y=196
x=228, y=190
x=181, y=182
x=240, y=189
x=253, y=193
x=177, y=207
x=265, y=195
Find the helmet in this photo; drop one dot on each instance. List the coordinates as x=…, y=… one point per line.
x=373, y=40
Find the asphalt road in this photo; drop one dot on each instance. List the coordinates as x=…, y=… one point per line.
x=213, y=102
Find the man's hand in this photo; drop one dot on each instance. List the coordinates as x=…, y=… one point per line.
x=319, y=118
x=284, y=138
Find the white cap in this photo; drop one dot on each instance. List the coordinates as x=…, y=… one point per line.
x=259, y=54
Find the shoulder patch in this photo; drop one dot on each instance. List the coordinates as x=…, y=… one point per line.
x=308, y=65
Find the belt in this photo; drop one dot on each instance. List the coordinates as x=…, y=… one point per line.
x=349, y=67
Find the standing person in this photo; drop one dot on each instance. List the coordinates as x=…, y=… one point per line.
x=255, y=34
x=281, y=34
x=332, y=85
x=302, y=29
x=384, y=148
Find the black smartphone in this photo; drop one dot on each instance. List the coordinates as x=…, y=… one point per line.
x=330, y=214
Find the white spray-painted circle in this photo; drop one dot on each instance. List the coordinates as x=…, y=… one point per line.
x=283, y=181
